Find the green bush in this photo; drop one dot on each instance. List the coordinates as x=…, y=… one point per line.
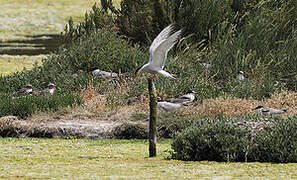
x=131, y=131
x=222, y=139
x=26, y=106
x=211, y=139
x=278, y=143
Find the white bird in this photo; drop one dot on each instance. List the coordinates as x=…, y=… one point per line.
x=184, y=99
x=206, y=65
x=269, y=111
x=104, y=74
x=158, y=52
x=240, y=76
x=169, y=106
x=49, y=90
x=27, y=90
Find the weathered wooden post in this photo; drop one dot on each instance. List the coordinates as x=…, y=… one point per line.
x=153, y=119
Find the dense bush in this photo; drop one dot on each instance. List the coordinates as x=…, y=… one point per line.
x=131, y=131
x=278, y=143
x=26, y=106
x=222, y=139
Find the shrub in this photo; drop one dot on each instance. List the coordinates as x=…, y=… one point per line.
x=131, y=131
x=26, y=106
x=210, y=139
x=222, y=139
x=278, y=143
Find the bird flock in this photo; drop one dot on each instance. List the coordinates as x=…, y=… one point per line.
x=28, y=91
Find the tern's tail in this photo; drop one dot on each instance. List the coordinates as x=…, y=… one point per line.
x=166, y=74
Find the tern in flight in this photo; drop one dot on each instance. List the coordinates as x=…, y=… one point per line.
x=158, y=53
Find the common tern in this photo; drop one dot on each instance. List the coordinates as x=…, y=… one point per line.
x=169, y=106
x=27, y=90
x=240, y=76
x=184, y=99
x=158, y=52
x=106, y=75
x=49, y=90
x=269, y=111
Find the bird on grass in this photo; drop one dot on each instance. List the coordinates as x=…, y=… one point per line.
x=240, y=76
x=269, y=111
x=169, y=106
x=184, y=99
x=158, y=53
x=106, y=75
x=49, y=90
x=27, y=90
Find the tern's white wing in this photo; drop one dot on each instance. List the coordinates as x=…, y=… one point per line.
x=163, y=35
x=159, y=55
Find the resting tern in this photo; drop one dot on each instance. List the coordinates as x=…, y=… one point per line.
x=49, y=90
x=184, y=99
x=106, y=75
x=158, y=52
x=269, y=111
x=169, y=106
x=27, y=90
x=240, y=76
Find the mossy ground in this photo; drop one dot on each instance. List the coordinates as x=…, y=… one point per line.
x=113, y=159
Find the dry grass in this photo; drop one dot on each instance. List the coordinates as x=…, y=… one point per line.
x=230, y=107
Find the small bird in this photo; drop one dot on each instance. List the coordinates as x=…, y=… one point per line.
x=184, y=99
x=158, y=53
x=107, y=75
x=49, y=90
x=169, y=106
x=206, y=65
x=27, y=90
x=269, y=111
x=104, y=74
x=240, y=76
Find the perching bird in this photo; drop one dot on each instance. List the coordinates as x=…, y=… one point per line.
x=240, y=76
x=169, y=106
x=184, y=99
x=158, y=52
x=269, y=111
x=27, y=90
x=49, y=90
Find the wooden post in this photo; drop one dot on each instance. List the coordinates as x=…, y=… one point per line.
x=153, y=119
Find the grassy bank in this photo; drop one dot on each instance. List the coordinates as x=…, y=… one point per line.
x=108, y=159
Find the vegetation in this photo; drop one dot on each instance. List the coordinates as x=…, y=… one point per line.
x=257, y=37
x=64, y=158
x=238, y=139
x=26, y=106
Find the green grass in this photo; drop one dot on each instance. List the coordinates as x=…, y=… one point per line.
x=124, y=159
x=27, y=17
x=10, y=64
